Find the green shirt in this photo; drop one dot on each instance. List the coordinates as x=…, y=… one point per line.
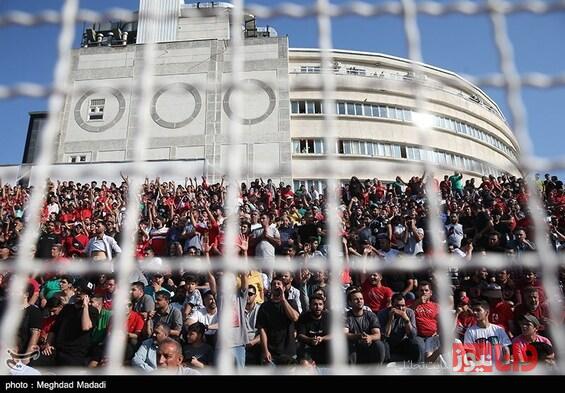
x=456, y=182
x=99, y=331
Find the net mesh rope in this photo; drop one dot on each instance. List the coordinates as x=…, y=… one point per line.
x=508, y=78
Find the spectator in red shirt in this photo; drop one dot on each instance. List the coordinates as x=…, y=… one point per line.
x=376, y=294
x=531, y=305
x=427, y=313
x=135, y=325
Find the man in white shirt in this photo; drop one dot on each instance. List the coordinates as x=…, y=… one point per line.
x=100, y=246
x=486, y=338
x=413, y=237
x=266, y=238
x=454, y=231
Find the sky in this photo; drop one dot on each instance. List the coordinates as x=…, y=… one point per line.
x=459, y=43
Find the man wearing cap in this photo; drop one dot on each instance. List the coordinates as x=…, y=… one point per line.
x=529, y=326
x=100, y=246
x=70, y=336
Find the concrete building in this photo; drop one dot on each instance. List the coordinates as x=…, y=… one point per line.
x=282, y=120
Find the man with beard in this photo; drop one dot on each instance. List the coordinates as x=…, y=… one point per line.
x=399, y=331
x=378, y=296
x=209, y=317
x=314, y=332
x=363, y=332
x=166, y=314
x=531, y=305
x=275, y=322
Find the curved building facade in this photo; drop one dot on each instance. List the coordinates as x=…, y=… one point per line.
x=376, y=119
x=282, y=122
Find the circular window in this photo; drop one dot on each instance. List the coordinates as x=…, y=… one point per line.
x=176, y=124
x=261, y=85
x=103, y=127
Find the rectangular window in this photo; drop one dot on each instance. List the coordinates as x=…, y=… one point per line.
x=355, y=148
x=296, y=146
x=410, y=153
x=294, y=106
x=318, y=146
x=388, y=151
x=396, y=151
x=318, y=107
x=350, y=109
x=73, y=159
x=403, y=151
x=310, y=107
x=375, y=109
x=347, y=147
x=369, y=148
x=306, y=146
x=301, y=106
x=398, y=114
x=341, y=108
x=310, y=69
x=407, y=115
x=383, y=112
x=380, y=149
x=356, y=71
x=340, y=148
x=96, y=109
x=359, y=109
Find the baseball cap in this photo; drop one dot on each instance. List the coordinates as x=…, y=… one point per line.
x=530, y=318
x=85, y=286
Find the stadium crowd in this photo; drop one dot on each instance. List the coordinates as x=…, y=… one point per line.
x=281, y=317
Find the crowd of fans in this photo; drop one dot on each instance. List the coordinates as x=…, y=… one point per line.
x=281, y=317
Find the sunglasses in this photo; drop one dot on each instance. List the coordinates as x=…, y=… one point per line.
x=250, y=293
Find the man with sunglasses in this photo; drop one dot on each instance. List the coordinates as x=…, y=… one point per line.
x=253, y=347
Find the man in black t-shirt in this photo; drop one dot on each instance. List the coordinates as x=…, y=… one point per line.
x=71, y=332
x=46, y=241
x=30, y=326
x=313, y=329
x=275, y=322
